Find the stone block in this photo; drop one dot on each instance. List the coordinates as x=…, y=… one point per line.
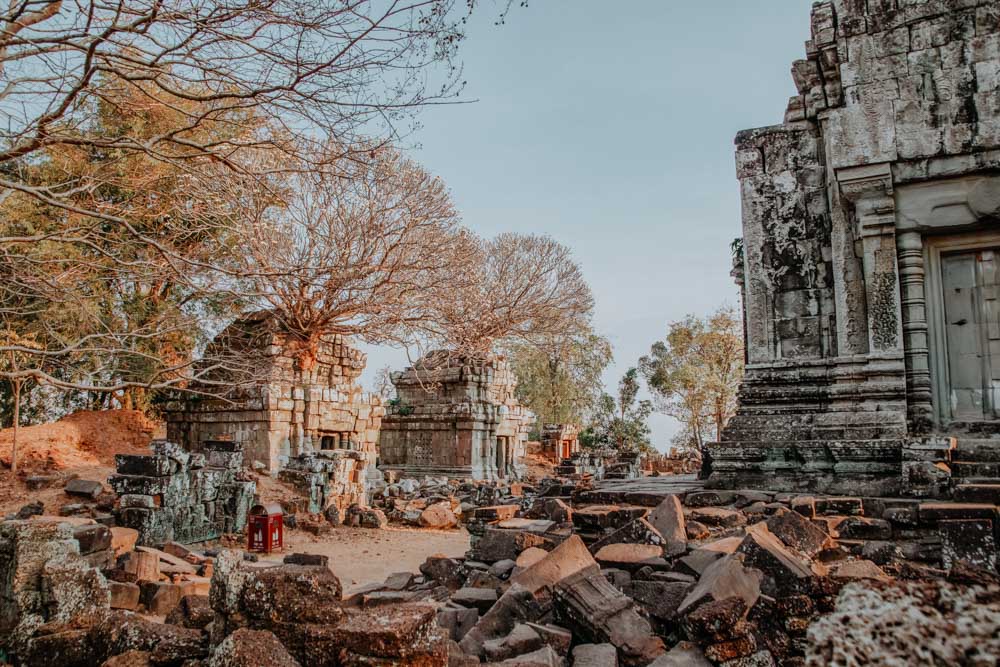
x=969, y=540
x=124, y=595
x=83, y=488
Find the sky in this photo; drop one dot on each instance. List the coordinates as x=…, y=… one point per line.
x=612, y=131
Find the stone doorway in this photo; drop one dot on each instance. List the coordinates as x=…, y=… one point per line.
x=964, y=291
x=971, y=287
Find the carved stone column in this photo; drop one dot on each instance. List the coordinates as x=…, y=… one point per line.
x=910, y=253
x=869, y=188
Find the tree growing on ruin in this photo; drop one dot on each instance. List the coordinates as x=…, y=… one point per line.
x=514, y=288
x=559, y=379
x=109, y=112
x=367, y=248
x=695, y=372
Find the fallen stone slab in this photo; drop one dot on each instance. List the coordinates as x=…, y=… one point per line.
x=799, y=533
x=516, y=605
x=717, y=621
x=569, y=558
x=403, y=634
x=543, y=657
x=970, y=541
x=595, y=655
x=124, y=595
x=684, y=654
x=92, y=538
x=719, y=516
x=668, y=520
x=521, y=640
x=785, y=572
x=438, y=516
x=498, y=544
x=530, y=556
x=192, y=611
x=83, y=488
x=251, y=648
x=709, y=498
x=457, y=620
x=122, y=631
x=597, y=612
x=123, y=540
x=727, y=577
x=631, y=557
x=560, y=639
x=696, y=562
x=660, y=599
x=477, y=598
x=862, y=528
x=858, y=569
x=445, y=571
x=38, y=482
x=495, y=512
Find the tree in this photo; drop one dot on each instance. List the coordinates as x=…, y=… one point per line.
x=621, y=422
x=694, y=374
x=382, y=385
x=368, y=249
x=517, y=289
x=559, y=379
x=109, y=112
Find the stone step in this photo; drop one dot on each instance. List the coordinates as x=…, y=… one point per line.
x=946, y=511
x=977, y=493
x=962, y=468
x=974, y=450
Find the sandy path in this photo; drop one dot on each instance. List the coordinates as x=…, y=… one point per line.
x=361, y=556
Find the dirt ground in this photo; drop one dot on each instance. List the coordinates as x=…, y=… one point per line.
x=362, y=556
x=82, y=444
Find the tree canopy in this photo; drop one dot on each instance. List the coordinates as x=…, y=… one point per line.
x=695, y=372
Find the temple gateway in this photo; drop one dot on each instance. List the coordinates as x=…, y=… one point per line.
x=870, y=259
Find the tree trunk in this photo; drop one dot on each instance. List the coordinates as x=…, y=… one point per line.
x=17, y=424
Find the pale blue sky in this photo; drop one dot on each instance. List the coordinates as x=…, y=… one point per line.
x=610, y=127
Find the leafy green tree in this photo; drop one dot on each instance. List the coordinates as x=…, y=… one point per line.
x=694, y=374
x=622, y=422
x=559, y=379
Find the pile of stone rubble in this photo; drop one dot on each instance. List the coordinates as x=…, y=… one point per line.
x=738, y=579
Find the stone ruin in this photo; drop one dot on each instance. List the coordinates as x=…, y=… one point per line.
x=560, y=441
x=328, y=478
x=176, y=495
x=302, y=401
x=869, y=260
x=456, y=417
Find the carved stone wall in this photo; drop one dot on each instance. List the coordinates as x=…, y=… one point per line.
x=299, y=403
x=892, y=140
x=455, y=417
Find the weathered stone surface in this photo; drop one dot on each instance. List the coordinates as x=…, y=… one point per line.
x=899, y=622
x=439, y=516
x=521, y=640
x=596, y=611
x=83, y=488
x=630, y=556
x=123, y=595
x=477, y=598
x=668, y=519
x=719, y=516
x=402, y=634
x=970, y=541
x=725, y=578
x=498, y=544
x=783, y=569
x=251, y=648
x=595, y=655
x=797, y=532
x=660, y=599
x=684, y=654
x=193, y=611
